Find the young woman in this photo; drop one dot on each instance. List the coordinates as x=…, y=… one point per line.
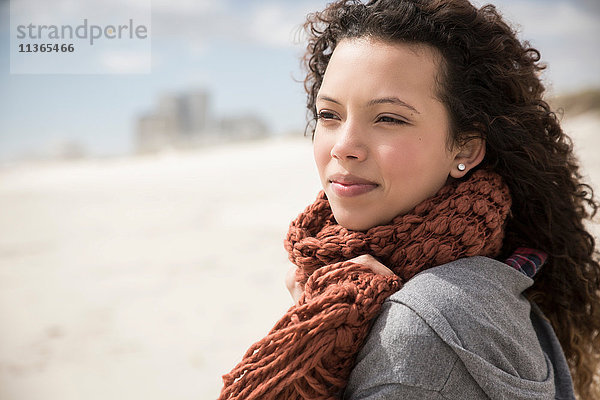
x=447, y=256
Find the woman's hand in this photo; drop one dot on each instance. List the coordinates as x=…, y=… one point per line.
x=296, y=289
x=369, y=261
x=293, y=286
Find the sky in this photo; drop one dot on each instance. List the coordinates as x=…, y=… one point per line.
x=245, y=53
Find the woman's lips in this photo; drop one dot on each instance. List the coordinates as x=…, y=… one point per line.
x=350, y=186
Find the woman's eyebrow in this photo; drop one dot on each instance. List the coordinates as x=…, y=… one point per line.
x=392, y=100
x=383, y=100
x=327, y=98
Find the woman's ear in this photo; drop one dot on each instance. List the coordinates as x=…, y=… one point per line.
x=469, y=155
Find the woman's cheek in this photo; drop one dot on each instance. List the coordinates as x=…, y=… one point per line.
x=397, y=157
x=321, y=153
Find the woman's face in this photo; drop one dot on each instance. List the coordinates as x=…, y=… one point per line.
x=381, y=140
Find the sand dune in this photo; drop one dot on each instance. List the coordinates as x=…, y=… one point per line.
x=148, y=277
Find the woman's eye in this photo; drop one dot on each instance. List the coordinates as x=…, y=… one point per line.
x=325, y=115
x=391, y=120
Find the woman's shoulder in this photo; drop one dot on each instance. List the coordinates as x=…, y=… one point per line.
x=467, y=292
x=467, y=277
x=476, y=306
x=402, y=358
x=463, y=326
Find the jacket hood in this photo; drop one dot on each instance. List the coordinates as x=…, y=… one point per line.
x=480, y=316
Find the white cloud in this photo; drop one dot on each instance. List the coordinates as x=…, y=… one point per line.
x=52, y=12
x=125, y=62
x=567, y=33
x=186, y=7
x=266, y=23
x=553, y=19
x=276, y=24
x=271, y=25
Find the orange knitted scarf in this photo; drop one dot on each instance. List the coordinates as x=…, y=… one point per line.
x=310, y=352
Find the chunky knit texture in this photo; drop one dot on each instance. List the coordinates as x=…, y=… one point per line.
x=310, y=352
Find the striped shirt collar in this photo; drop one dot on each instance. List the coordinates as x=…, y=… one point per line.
x=527, y=260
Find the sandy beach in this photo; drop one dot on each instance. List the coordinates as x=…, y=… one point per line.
x=148, y=277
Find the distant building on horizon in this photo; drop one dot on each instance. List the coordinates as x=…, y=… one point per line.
x=183, y=120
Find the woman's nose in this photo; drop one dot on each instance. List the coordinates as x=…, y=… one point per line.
x=349, y=144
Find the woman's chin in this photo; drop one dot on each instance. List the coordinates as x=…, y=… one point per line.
x=355, y=222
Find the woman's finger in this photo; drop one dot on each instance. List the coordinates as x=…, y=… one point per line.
x=371, y=262
x=294, y=287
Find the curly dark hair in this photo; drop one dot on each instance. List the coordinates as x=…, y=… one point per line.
x=489, y=82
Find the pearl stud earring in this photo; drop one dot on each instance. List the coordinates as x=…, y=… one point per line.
x=461, y=167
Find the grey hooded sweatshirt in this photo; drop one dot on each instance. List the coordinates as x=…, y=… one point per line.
x=462, y=330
